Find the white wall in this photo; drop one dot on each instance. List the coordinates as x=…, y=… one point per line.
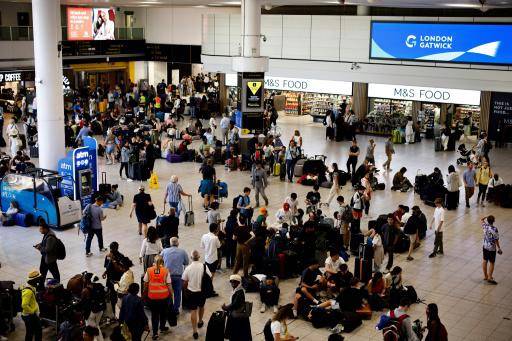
x=140, y=70
x=179, y=25
x=156, y=72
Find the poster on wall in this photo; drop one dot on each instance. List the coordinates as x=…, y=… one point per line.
x=477, y=43
x=254, y=92
x=91, y=23
x=500, y=116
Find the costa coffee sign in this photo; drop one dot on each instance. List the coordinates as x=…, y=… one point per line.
x=10, y=77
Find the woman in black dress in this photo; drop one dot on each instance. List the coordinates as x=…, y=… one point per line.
x=144, y=210
x=238, y=326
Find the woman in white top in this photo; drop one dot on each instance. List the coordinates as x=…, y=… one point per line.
x=409, y=131
x=14, y=137
x=365, y=182
x=453, y=184
x=121, y=287
x=298, y=140
x=335, y=188
x=278, y=325
x=378, y=249
x=151, y=247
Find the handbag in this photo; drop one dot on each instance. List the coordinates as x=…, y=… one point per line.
x=125, y=331
x=244, y=312
x=206, y=284
x=151, y=213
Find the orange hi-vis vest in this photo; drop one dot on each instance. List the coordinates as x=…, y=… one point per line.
x=158, y=289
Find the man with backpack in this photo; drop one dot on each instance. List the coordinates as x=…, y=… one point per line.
x=50, y=248
x=396, y=324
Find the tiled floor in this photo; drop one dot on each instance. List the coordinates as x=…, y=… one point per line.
x=470, y=309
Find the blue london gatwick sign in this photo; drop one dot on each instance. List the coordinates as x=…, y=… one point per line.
x=478, y=43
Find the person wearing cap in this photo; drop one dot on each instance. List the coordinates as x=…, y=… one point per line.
x=143, y=207
x=237, y=328
x=30, y=308
x=97, y=216
x=192, y=283
x=259, y=182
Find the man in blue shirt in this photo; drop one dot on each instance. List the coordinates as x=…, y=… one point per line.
x=175, y=260
x=244, y=204
x=469, y=178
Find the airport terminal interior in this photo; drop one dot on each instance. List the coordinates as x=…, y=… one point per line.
x=401, y=109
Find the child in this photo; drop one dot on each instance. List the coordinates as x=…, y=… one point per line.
x=269, y=294
x=213, y=215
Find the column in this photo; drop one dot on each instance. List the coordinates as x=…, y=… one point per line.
x=48, y=66
x=251, y=28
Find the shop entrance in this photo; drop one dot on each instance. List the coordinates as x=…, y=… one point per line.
x=105, y=75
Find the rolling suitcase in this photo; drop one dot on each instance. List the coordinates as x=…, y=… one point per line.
x=363, y=263
x=216, y=326
x=277, y=169
x=438, y=144
x=298, y=170
x=355, y=241
x=104, y=187
x=189, y=215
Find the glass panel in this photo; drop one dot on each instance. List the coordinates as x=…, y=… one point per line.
x=5, y=33
x=20, y=33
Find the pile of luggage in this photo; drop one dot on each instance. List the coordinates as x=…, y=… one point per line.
x=427, y=190
x=311, y=171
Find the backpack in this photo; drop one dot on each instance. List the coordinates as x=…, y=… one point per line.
x=236, y=200
x=391, y=326
x=85, y=222
x=98, y=298
x=60, y=249
x=346, y=215
x=267, y=331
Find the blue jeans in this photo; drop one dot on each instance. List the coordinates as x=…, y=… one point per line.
x=290, y=165
x=90, y=235
x=176, y=287
x=176, y=205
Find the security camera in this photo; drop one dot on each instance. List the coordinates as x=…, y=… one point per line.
x=264, y=38
x=354, y=66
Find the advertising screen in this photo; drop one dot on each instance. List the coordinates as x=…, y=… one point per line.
x=91, y=23
x=478, y=43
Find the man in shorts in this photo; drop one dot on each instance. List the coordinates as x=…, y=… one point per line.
x=491, y=244
x=192, y=279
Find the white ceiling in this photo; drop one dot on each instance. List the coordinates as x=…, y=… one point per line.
x=376, y=3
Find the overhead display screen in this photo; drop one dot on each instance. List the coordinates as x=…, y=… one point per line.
x=91, y=23
x=477, y=43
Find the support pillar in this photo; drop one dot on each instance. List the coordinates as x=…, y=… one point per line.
x=48, y=67
x=251, y=28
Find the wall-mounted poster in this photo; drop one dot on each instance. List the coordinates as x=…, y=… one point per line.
x=86, y=23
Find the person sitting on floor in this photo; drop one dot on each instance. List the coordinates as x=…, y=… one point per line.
x=310, y=283
x=8, y=216
x=114, y=199
x=400, y=182
x=269, y=294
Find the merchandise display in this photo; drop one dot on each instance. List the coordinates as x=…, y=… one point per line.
x=386, y=115
x=318, y=104
x=293, y=103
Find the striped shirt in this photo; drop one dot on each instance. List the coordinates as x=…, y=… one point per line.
x=173, y=192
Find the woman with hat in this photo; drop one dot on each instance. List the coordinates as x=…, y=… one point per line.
x=143, y=207
x=30, y=308
x=238, y=326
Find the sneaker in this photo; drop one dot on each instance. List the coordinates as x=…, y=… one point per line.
x=3, y=338
x=409, y=258
x=336, y=330
x=200, y=324
x=263, y=308
x=432, y=255
x=195, y=336
x=129, y=180
x=483, y=205
x=103, y=249
x=275, y=309
x=440, y=252
x=88, y=254
x=492, y=281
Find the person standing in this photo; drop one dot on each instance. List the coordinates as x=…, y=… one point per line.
x=390, y=233
x=132, y=313
x=150, y=248
x=469, y=178
x=367, y=194
x=159, y=291
x=14, y=137
x=48, y=250
x=97, y=216
x=390, y=150
x=353, y=154
x=30, y=308
x=192, y=282
x=243, y=235
x=143, y=206
x=291, y=156
x=237, y=327
x=259, y=183
x=175, y=260
x=491, y=244
x=452, y=185
x=437, y=225
x=411, y=229
x=125, y=158
x=370, y=152
x=224, y=128
x=210, y=243
x=173, y=193
x=335, y=188
x=483, y=175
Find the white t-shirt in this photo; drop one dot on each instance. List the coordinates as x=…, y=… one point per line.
x=193, y=274
x=278, y=328
x=148, y=248
x=333, y=265
x=293, y=204
x=438, y=218
x=210, y=243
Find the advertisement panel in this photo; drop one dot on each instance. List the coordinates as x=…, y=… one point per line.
x=254, y=92
x=424, y=94
x=91, y=23
x=477, y=43
x=500, y=116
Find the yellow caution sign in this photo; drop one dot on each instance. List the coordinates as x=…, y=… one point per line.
x=254, y=86
x=153, y=181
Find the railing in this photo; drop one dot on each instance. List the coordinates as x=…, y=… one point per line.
x=25, y=33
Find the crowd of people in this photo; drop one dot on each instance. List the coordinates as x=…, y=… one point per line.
x=309, y=237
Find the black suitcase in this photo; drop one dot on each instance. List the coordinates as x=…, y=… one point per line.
x=355, y=241
x=216, y=326
x=34, y=152
x=23, y=141
x=438, y=144
x=104, y=187
x=350, y=321
x=363, y=269
x=403, y=243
